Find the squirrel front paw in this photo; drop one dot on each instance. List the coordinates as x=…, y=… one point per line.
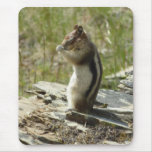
x=59, y=48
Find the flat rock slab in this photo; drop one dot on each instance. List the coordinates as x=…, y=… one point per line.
x=115, y=99
x=55, y=90
x=96, y=117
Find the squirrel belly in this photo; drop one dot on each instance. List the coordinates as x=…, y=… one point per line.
x=77, y=88
x=83, y=85
x=85, y=81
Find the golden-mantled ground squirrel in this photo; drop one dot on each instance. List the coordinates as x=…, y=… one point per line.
x=85, y=81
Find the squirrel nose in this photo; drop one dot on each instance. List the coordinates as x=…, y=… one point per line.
x=59, y=48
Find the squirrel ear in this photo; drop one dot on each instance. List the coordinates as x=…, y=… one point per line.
x=75, y=27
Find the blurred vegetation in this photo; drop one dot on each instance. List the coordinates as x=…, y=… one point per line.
x=42, y=29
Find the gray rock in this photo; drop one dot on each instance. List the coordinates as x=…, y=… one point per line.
x=27, y=139
x=128, y=82
x=121, y=74
x=115, y=99
x=126, y=85
x=43, y=118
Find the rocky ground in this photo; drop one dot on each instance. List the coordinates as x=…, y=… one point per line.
x=44, y=119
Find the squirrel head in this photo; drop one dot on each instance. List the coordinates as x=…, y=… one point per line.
x=74, y=39
x=76, y=46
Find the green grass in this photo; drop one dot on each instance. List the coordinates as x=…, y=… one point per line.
x=42, y=29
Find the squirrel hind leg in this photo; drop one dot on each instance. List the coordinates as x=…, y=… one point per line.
x=82, y=106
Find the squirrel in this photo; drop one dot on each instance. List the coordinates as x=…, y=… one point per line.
x=84, y=84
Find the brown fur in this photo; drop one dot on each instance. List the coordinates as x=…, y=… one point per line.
x=79, y=50
x=75, y=43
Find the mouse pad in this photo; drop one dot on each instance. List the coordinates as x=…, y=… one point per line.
x=75, y=75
